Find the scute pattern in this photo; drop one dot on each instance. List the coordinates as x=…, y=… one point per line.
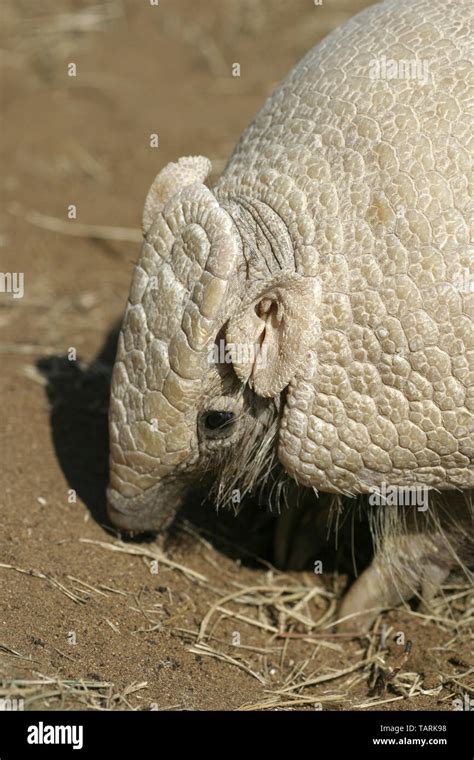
x=371, y=178
x=179, y=289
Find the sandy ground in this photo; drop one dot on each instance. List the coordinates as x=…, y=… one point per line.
x=192, y=620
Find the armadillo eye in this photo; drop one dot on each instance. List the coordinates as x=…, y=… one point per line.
x=218, y=424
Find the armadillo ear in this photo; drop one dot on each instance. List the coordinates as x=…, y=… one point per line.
x=169, y=181
x=269, y=338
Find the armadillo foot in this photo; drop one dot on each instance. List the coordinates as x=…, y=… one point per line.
x=415, y=567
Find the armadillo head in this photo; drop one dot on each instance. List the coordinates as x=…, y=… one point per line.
x=181, y=405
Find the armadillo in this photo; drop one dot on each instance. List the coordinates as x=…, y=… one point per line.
x=307, y=321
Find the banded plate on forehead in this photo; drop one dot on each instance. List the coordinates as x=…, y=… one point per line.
x=177, y=304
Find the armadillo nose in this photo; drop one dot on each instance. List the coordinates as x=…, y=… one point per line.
x=152, y=510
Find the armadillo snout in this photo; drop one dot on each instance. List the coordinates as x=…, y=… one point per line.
x=152, y=510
